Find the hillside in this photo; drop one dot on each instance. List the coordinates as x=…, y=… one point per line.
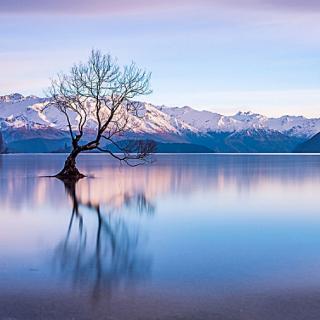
x=27, y=126
x=310, y=146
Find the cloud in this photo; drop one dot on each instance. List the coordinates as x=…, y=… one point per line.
x=307, y=5
x=86, y=7
x=106, y=7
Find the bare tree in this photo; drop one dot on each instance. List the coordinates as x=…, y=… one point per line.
x=101, y=92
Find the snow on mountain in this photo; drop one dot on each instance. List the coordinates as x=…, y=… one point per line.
x=17, y=111
x=206, y=121
x=295, y=125
x=11, y=97
x=155, y=121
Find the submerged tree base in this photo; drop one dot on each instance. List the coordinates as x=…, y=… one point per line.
x=70, y=173
x=69, y=178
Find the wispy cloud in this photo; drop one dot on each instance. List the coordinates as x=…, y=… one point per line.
x=106, y=7
x=257, y=54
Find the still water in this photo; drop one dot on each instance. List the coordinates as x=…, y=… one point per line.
x=188, y=237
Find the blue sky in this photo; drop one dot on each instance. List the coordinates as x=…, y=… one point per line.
x=258, y=55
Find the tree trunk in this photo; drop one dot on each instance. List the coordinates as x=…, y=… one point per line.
x=70, y=171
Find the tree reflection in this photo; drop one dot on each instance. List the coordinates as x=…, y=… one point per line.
x=101, y=249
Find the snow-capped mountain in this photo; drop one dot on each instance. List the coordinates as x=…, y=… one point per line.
x=17, y=111
x=206, y=121
x=24, y=118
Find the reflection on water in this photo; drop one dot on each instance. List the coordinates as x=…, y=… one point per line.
x=188, y=223
x=175, y=174
x=104, y=254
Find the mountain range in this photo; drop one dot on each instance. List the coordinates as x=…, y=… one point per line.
x=27, y=127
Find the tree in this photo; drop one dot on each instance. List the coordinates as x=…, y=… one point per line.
x=101, y=91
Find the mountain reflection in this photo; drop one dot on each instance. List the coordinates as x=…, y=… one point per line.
x=169, y=175
x=101, y=249
x=195, y=222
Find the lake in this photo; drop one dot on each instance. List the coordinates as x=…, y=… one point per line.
x=188, y=237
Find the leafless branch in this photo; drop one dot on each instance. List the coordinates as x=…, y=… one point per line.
x=102, y=92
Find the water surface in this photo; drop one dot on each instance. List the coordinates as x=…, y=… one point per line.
x=188, y=237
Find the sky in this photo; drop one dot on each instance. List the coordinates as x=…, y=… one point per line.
x=218, y=55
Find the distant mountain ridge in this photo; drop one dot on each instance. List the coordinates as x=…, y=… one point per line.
x=23, y=118
x=310, y=146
